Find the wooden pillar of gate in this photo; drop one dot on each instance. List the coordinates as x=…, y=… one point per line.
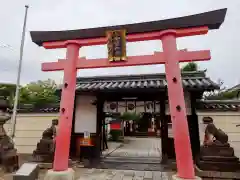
x=194, y=126
x=66, y=109
x=177, y=106
x=99, y=133
x=164, y=129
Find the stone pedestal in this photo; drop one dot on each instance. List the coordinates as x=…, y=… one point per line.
x=175, y=177
x=218, y=158
x=216, y=154
x=63, y=175
x=44, y=151
x=45, y=148
x=8, y=154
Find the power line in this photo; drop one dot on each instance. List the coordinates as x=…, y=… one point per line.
x=5, y=46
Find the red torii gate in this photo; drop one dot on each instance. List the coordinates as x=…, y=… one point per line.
x=170, y=57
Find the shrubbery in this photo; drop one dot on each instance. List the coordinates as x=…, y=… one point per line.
x=115, y=135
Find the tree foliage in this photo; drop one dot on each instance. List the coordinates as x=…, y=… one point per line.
x=192, y=66
x=37, y=93
x=8, y=90
x=131, y=116
x=226, y=95
x=223, y=93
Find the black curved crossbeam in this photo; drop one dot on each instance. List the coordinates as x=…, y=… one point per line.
x=211, y=19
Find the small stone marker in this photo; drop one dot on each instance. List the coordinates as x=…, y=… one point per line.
x=28, y=171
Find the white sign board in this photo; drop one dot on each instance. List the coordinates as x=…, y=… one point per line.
x=108, y=120
x=85, y=115
x=86, y=134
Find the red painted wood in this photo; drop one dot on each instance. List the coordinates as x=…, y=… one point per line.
x=130, y=38
x=66, y=110
x=157, y=58
x=170, y=57
x=115, y=126
x=176, y=98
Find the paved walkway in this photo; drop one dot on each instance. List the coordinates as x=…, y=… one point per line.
x=110, y=174
x=107, y=174
x=139, y=147
x=133, y=147
x=112, y=146
x=139, y=154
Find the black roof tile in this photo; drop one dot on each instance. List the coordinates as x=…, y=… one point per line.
x=191, y=80
x=219, y=105
x=207, y=105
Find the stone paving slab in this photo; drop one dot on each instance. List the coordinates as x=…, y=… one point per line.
x=107, y=174
x=112, y=146
x=139, y=147
x=110, y=174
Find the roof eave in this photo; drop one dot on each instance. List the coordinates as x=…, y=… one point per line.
x=211, y=19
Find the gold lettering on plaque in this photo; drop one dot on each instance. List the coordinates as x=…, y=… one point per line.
x=116, y=44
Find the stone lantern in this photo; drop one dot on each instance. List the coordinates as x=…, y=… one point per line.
x=8, y=154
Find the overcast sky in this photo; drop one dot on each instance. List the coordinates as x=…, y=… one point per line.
x=75, y=14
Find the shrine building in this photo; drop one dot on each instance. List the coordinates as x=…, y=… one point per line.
x=146, y=94
x=97, y=98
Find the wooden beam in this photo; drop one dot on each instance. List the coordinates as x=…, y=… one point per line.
x=157, y=58
x=130, y=38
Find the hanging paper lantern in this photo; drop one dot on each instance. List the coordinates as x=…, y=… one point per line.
x=148, y=105
x=131, y=106
x=113, y=106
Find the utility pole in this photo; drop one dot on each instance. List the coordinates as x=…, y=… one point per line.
x=19, y=74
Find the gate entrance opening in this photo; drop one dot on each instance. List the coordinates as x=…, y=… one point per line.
x=143, y=95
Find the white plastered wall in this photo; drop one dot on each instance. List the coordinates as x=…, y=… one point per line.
x=29, y=129
x=30, y=126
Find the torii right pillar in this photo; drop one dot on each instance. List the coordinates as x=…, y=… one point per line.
x=185, y=165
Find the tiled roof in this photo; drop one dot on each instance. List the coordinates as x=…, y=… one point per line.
x=234, y=88
x=29, y=108
x=207, y=105
x=190, y=80
x=219, y=105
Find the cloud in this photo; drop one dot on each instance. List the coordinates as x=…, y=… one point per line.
x=74, y=14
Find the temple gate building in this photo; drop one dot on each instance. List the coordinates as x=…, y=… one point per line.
x=97, y=97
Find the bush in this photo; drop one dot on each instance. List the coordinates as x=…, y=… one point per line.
x=127, y=116
x=115, y=135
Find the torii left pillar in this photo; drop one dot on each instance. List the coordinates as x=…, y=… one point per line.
x=60, y=167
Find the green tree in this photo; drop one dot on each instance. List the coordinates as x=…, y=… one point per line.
x=227, y=95
x=39, y=93
x=192, y=66
x=8, y=91
x=131, y=116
